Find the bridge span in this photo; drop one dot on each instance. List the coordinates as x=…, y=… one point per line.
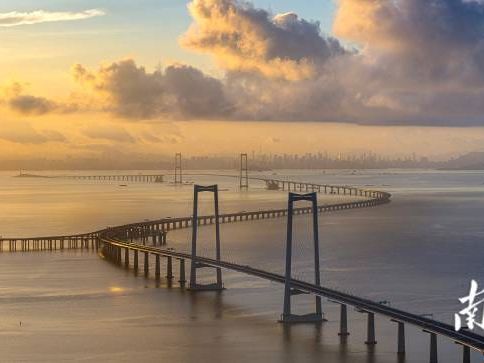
x=272, y=183
x=157, y=229
x=469, y=340
x=300, y=186
x=138, y=178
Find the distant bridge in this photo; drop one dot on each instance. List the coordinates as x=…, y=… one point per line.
x=137, y=178
x=291, y=185
x=272, y=183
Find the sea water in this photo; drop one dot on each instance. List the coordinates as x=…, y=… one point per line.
x=418, y=253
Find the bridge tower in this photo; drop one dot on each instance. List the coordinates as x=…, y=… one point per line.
x=289, y=291
x=244, y=172
x=195, y=264
x=178, y=169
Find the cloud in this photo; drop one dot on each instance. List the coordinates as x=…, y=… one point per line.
x=32, y=105
x=411, y=62
x=422, y=62
x=24, y=133
x=16, y=18
x=179, y=91
x=243, y=38
x=414, y=62
x=422, y=26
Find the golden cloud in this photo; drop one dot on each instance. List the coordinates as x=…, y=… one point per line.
x=244, y=39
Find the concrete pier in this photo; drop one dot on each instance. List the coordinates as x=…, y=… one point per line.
x=146, y=264
x=343, y=322
x=182, y=279
x=433, y=347
x=401, y=337
x=169, y=268
x=157, y=267
x=126, y=257
x=370, y=339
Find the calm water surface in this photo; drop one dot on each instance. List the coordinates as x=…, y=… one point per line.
x=419, y=253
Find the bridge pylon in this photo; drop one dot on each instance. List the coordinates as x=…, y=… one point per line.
x=244, y=172
x=195, y=263
x=289, y=290
x=178, y=169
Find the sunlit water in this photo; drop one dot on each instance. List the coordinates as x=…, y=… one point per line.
x=419, y=252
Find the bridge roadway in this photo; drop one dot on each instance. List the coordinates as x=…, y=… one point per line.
x=141, y=178
x=158, y=228
x=280, y=183
x=464, y=337
x=301, y=185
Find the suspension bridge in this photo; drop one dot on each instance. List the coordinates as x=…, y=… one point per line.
x=123, y=246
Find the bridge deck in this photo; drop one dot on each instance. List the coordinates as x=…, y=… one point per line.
x=185, y=222
x=466, y=338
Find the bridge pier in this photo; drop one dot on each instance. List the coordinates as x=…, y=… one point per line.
x=370, y=331
x=401, y=337
x=182, y=280
x=466, y=354
x=146, y=264
x=126, y=258
x=157, y=267
x=343, y=322
x=433, y=347
x=169, y=268
x=135, y=261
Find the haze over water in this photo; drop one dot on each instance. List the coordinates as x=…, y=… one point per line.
x=419, y=252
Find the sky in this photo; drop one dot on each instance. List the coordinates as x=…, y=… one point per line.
x=92, y=77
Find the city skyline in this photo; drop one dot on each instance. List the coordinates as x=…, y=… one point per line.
x=257, y=161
